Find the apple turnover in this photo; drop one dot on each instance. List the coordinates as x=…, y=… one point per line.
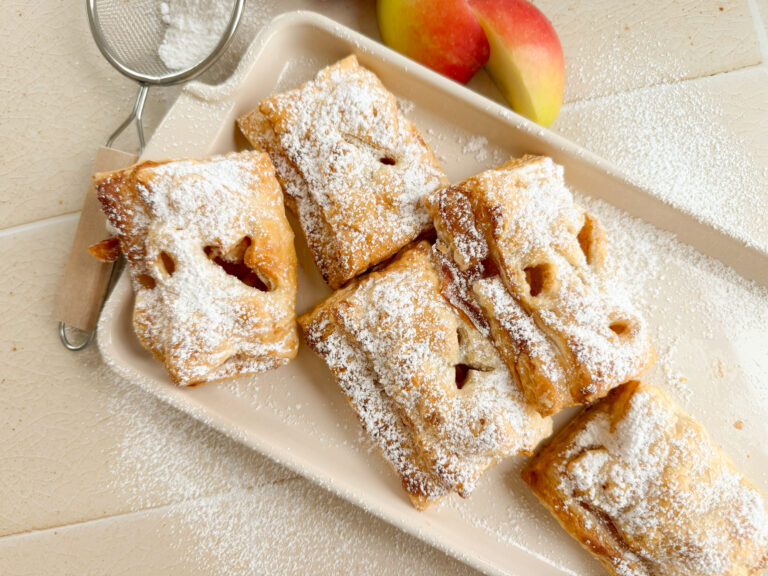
x=429, y=389
x=529, y=266
x=353, y=168
x=212, y=261
x=642, y=486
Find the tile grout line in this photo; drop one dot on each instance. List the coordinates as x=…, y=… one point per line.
x=133, y=513
x=28, y=226
x=760, y=29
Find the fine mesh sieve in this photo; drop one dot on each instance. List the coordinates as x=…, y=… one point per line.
x=129, y=33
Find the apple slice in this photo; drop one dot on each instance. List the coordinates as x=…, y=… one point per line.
x=526, y=60
x=444, y=35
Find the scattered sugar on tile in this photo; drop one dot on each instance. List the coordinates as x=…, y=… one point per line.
x=234, y=511
x=674, y=140
x=242, y=532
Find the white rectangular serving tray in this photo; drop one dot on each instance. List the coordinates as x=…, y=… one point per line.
x=297, y=416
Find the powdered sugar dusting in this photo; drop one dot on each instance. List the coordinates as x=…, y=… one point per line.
x=668, y=491
x=515, y=321
x=354, y=166
x=194, y=29
x=393, y=344
x=566, y=310
x=204, y=323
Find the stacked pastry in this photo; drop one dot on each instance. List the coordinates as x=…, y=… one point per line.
x=427, y=386
x=453, y=353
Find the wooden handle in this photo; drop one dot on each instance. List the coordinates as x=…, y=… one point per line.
x=85, y=278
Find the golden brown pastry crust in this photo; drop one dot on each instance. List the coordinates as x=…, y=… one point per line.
x=212, y=261
x=530, y=266
x=642, y=486
x=352, y=166
x=400, y=352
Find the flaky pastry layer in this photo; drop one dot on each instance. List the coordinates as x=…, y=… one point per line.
x=642, y=486
x=530, y=267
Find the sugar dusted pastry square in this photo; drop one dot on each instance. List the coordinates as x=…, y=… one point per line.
x=212, y=261
x=352, y=166
x=530, y=267
x=429, y=389
x=642, y=486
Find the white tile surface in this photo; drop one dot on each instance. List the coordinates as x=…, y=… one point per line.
x=288, y=528
x=699, y=143
x=617, y=46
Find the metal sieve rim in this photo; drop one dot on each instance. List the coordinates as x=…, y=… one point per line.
x=166, y=79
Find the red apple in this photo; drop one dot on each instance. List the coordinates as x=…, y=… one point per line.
x=526, y=59
x=444, y=35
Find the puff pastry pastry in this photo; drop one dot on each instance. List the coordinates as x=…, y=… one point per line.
x=530, y=266
x=428, y=387
x=352, y=166
x=641, y=485
x=212, y=261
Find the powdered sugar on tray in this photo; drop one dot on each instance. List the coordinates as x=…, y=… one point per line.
x=194, y=29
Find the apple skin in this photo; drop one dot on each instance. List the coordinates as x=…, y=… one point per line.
x=444, y=35
x=526, y=60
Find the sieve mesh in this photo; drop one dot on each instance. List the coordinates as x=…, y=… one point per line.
x=130, y=32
